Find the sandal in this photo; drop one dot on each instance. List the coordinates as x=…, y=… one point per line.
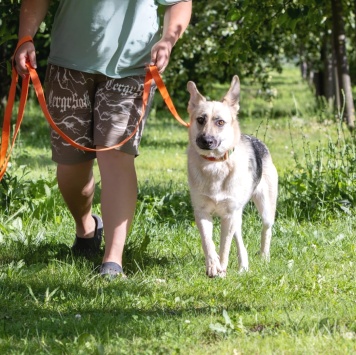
x=89, y=246
x=111, y=270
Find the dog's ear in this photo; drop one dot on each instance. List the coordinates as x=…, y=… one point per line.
x=233, y=95
x=195, y=96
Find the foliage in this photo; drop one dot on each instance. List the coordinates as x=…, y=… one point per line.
x=9, y=18
x=226, y=37
x=324, y=185
x=248, y=38
x=154, y=207
x=19, y=195
x=252, y=38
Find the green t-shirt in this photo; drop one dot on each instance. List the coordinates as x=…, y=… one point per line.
x=111, y=37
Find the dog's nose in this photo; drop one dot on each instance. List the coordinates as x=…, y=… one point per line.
x=207, y=142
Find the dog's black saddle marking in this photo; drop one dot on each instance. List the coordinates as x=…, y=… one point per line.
x=260, y=151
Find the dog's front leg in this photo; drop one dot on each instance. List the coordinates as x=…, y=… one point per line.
x=205, y=226
x=228, y=227
x=241, y=250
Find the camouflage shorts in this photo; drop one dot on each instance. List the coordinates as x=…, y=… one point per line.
x=93, y=110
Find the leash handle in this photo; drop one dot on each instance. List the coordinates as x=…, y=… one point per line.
x=19, y=44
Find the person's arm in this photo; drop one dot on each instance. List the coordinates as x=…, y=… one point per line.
x=32, y=13
x=176, y=20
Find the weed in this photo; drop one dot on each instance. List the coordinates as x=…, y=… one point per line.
x=324, y=186
x=18, y=194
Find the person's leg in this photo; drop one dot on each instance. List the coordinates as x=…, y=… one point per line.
x=70, y=98
x=117, y=111
x=76, y=184
x=118, y=200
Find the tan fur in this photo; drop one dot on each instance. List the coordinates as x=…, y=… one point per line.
x=223, y=188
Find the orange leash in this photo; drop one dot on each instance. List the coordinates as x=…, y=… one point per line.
x=166, y=97
x=5, y=152
x=5, y=135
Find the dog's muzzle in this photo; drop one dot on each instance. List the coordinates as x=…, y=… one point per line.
x=207, y=142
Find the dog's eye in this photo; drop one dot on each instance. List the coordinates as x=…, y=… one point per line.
x=220, y=123
x=201, y=119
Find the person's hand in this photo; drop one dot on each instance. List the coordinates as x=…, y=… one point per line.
x=160, y=54
x=25, y=53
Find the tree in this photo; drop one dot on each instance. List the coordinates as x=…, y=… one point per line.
x=9, y=17
x=251, y=38
x=9, y=12
x=344, y=80
x=245, y=37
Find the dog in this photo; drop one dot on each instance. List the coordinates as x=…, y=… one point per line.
x=226, y=169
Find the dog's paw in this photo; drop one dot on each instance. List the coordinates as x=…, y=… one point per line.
x=243, y=269
x=213, y=272
x=265, y=257
x=214, y=269
x=221, y=274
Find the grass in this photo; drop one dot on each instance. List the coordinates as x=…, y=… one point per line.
x=302, y=302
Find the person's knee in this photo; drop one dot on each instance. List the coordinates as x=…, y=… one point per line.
x=77, y=176
x=114, y=157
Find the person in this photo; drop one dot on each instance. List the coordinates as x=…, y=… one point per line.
x=94, y=82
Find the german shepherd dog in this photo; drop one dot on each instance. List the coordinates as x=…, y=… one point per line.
x=226, y=169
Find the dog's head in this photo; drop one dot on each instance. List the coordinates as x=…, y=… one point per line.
x=214, y=128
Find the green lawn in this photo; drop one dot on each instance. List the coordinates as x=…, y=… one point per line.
x=302, y=302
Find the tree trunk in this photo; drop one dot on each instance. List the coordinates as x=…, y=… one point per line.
x=328, y=74
x=336, y=79
x=342, y=63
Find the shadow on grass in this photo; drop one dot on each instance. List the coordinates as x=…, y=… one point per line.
x=106, y=324
x=135, y=259
x=119, y=310
x=42, y=253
